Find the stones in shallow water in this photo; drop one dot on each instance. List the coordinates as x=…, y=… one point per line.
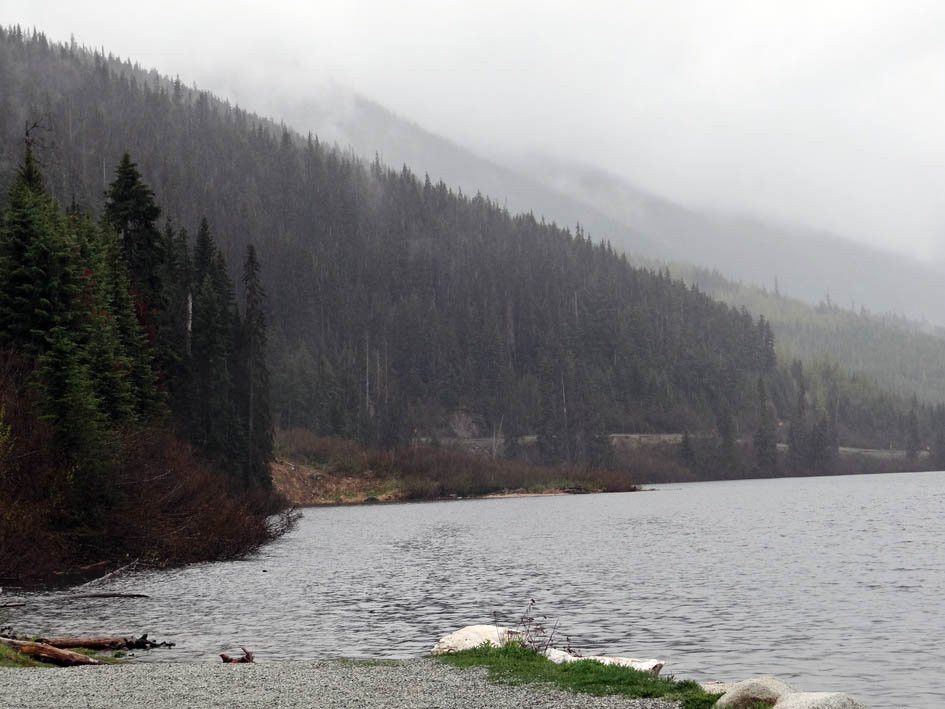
x=818, y=700
x=752, y=692
x=775, y=693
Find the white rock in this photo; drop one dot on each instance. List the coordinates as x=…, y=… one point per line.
x=750, y=692
x=716, y=687
x=818, y=700
x=559, y=656
x=472, y=636
x=653, y=666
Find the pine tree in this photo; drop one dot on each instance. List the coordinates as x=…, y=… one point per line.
x=938, y=439
x=798, y=438
x=725, y=424
x=131, y=211
x=253, y=379
x=44, y=313
x=174, y=324
x=913, y=439
x=214, y=426
x=765, y=440
x=106, y=357
x=36, y=273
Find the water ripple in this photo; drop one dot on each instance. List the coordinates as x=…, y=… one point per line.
x=831, y=583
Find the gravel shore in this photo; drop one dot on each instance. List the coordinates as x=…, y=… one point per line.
x=333, y=683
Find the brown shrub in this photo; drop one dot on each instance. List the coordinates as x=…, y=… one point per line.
x=426, y=472
x=159, y=503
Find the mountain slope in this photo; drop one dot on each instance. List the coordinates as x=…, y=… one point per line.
x=807, y=268
x=396, y=302
x=806, y=263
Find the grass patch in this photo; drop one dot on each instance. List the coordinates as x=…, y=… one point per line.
x=514, y=664
x=11, y=658
x=113, y=659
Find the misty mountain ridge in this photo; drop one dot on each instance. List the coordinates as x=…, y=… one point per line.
x=804, y=262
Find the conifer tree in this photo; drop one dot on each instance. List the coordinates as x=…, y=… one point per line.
x=43, y=315
x=38, y=280
x=131, y=211
x=798, y=438
x=913, y=439
x=938, y=439
x=174, y=324
x=214, y=426
x=765, y=440
x=253, y=377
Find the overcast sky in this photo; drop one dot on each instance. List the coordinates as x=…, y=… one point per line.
x=828, y=113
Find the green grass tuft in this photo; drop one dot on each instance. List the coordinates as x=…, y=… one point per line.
x=11, y=658
x=514, y=664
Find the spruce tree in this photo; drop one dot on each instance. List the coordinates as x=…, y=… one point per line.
x=253, y=377
x=174, y=324
x=37, y=276
x=131, y=211
x=798, y=438
x=765, y=442
x=214, y=425
x=45, y=314
x=913, y=439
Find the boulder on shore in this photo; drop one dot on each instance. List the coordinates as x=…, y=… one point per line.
x=754, y=691
x=472, y=636
x=818, y=700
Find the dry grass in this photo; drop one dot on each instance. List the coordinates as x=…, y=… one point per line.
x=424, y=472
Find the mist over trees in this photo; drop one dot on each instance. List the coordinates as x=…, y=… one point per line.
x=394, y=302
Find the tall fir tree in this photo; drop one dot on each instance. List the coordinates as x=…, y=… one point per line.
x=44, y=314
x=252, y=383
x=131, y=211
x=765, y=442
x=38, y=277
x=214, y=425
x=913, y=437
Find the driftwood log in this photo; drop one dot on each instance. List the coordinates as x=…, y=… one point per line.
x=73, y=596
x=105, y=642
x=247, y=656
x=48, y=653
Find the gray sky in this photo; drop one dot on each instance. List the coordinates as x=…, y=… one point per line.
x=827, y=113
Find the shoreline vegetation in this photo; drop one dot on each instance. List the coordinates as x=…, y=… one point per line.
x=313, y=470
x=515, y=664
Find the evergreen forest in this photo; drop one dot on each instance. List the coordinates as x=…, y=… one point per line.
x=386, y=304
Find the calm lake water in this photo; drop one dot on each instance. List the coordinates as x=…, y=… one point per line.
x=829, y=583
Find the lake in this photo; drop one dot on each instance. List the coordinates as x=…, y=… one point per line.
x=831, y=583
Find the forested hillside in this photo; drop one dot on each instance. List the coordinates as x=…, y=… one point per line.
x=395, y=302
x=636, y=221
x=902, y=356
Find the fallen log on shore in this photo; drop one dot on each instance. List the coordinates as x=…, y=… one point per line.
x=105, y=642
x=48, y=653
x=247, y=656
x=72, y=596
